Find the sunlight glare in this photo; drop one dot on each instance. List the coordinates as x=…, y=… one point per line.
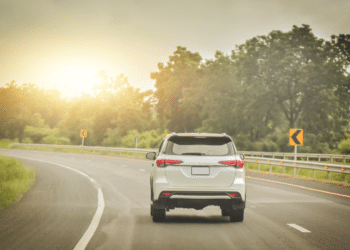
x=75, y=78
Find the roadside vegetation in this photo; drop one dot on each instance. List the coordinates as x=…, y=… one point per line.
x=269, y=84
x=266, y=86
x=15, y=179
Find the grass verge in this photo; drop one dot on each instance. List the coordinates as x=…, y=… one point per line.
x=15, y=179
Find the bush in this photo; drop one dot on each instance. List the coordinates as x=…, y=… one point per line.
x=112, y=138
x=344, y=147
x=27, y=140
x=6, y=143
x=36, y=134
x=54, y=139
x=146, y=139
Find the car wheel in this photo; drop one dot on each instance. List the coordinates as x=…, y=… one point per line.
x=237, y=215
x=224, y=212
x=158, y=215
x=151, y=210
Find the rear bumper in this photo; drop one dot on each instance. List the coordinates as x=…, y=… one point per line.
x=199, y=200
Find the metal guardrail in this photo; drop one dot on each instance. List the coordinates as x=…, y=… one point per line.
x=307, y=156
x=133, y=150
x=329, y=167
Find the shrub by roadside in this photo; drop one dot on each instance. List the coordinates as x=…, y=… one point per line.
x=15, y=179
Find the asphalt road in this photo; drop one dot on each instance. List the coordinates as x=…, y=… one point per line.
x=64, y=204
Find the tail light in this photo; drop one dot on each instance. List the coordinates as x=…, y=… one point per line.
x=233, y=163
x=164, y=162
x=165, y=194
x=235, y=195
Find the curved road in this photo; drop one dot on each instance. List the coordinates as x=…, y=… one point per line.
x=63, y=203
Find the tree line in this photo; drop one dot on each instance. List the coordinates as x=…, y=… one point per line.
x=256, y=94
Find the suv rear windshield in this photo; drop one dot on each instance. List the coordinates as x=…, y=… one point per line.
x=212, y=146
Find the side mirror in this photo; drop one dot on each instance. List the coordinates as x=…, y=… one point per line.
x=151, y=155
x=242, y=156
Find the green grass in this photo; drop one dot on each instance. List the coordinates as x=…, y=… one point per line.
x=15, y=179
x=308, y=173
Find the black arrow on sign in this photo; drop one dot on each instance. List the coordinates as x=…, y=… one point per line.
x=294, y=136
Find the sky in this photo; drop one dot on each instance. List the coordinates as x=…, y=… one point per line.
x=63, y=44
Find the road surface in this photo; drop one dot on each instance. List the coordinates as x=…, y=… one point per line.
x=103, y=202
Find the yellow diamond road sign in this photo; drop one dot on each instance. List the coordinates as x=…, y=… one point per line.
x=296, y=137
x=83, y=133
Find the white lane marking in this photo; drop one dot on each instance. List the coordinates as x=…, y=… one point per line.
x=142, y=170
x=85, y=239
x=301, y=229
x=94, y=223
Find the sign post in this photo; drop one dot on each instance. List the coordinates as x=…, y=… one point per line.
x=83, y=134
x=296, y=139
x=136, y=139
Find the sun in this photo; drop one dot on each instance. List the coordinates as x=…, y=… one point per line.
x=74, y=78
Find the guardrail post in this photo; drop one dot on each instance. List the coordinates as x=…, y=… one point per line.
x=307, y=158
x=329, y=175
x=259, y=167
x=314, y=174
x=270, y=169
x=346, y=178
x=284, y=170
x=294, y=170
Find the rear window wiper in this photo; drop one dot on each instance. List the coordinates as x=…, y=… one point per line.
x=193, y=153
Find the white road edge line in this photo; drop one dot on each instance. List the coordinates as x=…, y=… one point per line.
x=301, y=229
x=85, y=239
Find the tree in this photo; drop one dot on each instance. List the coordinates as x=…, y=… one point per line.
x=296, y=72
x=120, y=108
x=180, y=72
x=342, y=42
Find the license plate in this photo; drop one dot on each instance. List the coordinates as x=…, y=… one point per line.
x=200, y=170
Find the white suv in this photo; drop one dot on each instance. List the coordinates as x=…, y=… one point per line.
x=195, y=170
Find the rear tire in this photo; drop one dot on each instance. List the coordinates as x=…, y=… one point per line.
x=159, y=215
x=237, y=215
x=151, y=210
